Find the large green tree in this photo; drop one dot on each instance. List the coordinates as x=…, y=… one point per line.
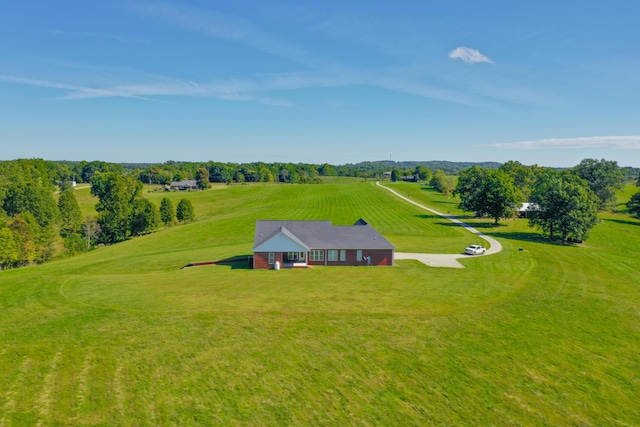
x=118, y=195
x=70, y=214
x=634, y=205
x=443, y=183
x=9, y=249
x=524, y=177
x=145, y=217
x=604, y=178
x=167, y=212
x=567, y=209
x=184, y=210
x=489, y=192
x=202, y=178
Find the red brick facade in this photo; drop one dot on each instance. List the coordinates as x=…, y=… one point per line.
x=378, y=257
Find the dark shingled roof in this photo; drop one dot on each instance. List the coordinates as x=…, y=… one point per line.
x=324, y=235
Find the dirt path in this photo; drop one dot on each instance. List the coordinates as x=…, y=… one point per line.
x=444, y=260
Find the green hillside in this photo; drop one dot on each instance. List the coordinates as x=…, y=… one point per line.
x=540, y=334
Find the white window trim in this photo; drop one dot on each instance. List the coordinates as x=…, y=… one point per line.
x=332, y=255
x=359, y=255
x=343, y=255
x=272, y=258
x=316, y=255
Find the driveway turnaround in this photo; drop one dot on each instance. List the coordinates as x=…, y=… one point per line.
x=445, y=260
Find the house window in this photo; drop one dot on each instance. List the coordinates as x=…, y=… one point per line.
x=332, y=255
x=316, y=255
x=343, y=255
x=359, y=255
x=292, y=256
x=272, y=258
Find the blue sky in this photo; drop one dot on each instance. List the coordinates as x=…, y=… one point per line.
x=544, y=82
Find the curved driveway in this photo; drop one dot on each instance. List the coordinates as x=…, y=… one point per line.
x=444, y=260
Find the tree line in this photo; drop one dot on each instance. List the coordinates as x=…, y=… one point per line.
x=35, y=227
x=563, y=204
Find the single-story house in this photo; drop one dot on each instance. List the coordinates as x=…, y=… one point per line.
x=188, y=184
x=307, y=243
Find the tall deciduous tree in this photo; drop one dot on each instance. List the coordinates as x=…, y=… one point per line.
x=567, y=208
x=117, y=195
x=145, y=217
x=167, y=212
x=70, y=214
x=524, y=177
x=184, y=210
x=443, y=182
x=23, y=233
x=202, y=178
x=422, y=173
x=488, y=192
x=9, y=249
x=604, y=178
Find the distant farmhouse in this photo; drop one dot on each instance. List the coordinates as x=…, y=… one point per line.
x=290, y=244
x=525, y=208
x=189, y=184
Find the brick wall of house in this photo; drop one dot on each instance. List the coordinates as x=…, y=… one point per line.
x=261, y=260
x=378, y=257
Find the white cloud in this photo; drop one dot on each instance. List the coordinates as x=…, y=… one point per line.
x=469, y=55
x=613, y=142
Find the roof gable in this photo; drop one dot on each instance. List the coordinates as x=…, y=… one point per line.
x=281, y=241
x=319, y=235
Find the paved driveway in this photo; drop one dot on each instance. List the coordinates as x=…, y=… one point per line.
x=445, y=260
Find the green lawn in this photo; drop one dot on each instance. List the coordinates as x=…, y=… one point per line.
x=540, y=334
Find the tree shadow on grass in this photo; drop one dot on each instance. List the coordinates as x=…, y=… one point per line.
x=240, y=262
x=623, y=221
x=532, y=237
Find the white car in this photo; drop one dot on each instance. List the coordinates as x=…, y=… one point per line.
x=474, y=250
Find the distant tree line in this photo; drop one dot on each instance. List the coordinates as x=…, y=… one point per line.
x=36, y=226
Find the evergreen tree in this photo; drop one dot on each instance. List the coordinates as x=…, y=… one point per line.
x=634, y=205
x=184, y=211
x=167, y=213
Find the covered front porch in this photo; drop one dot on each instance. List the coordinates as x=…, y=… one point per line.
x=295, y=259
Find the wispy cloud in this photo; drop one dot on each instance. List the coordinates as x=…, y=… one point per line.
x=226, y=27
x=613, y=142
x=265, y=89
x=468, y=55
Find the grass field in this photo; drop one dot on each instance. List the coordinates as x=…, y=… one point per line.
x=540, y=334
